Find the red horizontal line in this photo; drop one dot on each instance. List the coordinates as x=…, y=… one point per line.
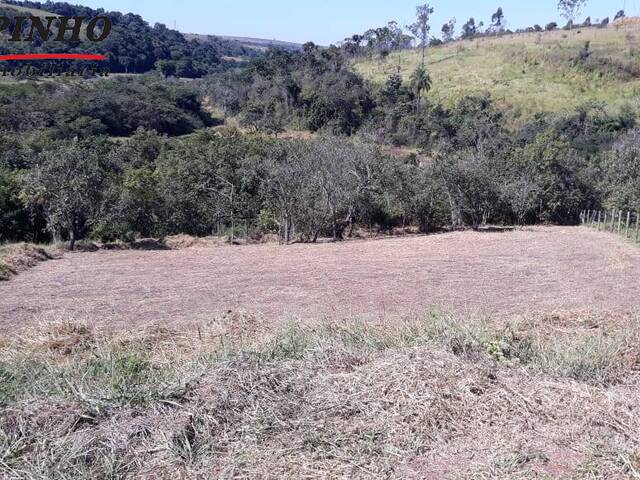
x=53, y=56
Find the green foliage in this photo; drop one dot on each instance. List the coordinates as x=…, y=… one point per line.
x=472, y=182
x=525, y=74
x=420, y=82
x=115, y=106
x=206, y=180
x=621, y=167
x=315, y=90
x=133, y=45
x=66, y=184
x=470, y=163
x=562, y=176
x=266, y=222
x=14, y=219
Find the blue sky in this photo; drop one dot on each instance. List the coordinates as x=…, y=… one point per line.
x=332, y=20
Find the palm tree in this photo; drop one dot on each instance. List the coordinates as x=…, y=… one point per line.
x=420, y=82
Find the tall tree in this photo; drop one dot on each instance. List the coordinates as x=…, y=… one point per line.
x=469, y=29
x=420, y=82
x=497, y=21
x=421, y=27
x=570, y=9
x=448, y=30
x=67, y=185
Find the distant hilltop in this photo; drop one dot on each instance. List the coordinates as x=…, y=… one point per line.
x=248, y=42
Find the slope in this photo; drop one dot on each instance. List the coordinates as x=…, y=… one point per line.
x=529, y=73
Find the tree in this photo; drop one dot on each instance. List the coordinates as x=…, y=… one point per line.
x=471, y=180
x=167, y=68
x=202, y=182
x=291, y=188
x=570, y=9
x=469, y=29
x=562, y=177
x=14, y=219
x=421, y=27
x=619, y=15
x=448, y=30
x=420, y=82
x=67, y=185
x=522, y=196
x=622, y=173
x=497, y=21
x=392, y=89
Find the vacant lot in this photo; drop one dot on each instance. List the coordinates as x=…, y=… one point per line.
x=491, y=274
x=543, y=395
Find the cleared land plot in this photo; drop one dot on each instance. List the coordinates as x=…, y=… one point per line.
x=499, y=274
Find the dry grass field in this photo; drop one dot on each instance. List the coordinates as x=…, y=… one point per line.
x=545, y=397
x=540, y=270
x=139, y=364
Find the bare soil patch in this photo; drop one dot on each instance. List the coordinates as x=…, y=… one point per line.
x=540, y=270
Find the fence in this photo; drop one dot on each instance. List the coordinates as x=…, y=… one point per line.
x=617, y=221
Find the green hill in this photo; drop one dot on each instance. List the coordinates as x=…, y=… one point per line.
x=529, y=73
x=134, y=46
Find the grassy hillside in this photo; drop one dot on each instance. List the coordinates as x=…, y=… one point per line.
x=259, y=44
x=31, y=11
x=529, y=73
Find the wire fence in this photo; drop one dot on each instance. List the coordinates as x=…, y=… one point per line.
x=616, y=221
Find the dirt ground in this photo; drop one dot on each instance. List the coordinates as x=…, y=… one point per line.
x=539, y=270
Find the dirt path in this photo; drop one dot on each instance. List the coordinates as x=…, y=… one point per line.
x=539, y=270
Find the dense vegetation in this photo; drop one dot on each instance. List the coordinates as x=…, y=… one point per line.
x=133, y=45
x=116, y=107
x=153, y=185
x=63, y=175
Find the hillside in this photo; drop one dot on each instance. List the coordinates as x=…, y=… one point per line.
x=529, y=73
x=259, y=44
x=134, y=46
x=25, y=10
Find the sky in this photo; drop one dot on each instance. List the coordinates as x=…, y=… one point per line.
x=329, y=21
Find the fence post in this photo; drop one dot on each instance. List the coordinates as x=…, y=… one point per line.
x=619, y=222
x=626, y=230
x=599, y=218
x=606, y=216
x=637, y=226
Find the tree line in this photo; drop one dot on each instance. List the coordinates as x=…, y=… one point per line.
x=391, y=37
x=152, y=185
x=127, y=157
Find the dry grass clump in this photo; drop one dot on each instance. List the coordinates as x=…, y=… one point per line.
x=439, y=398
x=16, y=258
x=626, y=22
